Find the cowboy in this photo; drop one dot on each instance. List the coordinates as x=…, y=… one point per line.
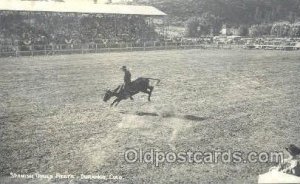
x=127, y=76
x=127, y=80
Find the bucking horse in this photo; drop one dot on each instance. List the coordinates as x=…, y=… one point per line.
x=139, y=85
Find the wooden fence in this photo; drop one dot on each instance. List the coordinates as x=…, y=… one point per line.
x=61, y=49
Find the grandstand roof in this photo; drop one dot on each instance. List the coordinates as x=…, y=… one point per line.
x=78, y=7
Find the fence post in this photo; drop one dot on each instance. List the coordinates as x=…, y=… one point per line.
x=17, y=50
x=31, y=48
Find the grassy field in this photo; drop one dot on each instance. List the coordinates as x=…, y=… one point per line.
x=53, y=119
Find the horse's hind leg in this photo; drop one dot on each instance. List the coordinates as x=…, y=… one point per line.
x=151, y=89
x=150, y=92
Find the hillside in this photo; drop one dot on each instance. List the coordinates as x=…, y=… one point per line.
x=233, y=12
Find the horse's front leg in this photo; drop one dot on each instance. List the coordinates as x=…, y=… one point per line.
x=116, y=100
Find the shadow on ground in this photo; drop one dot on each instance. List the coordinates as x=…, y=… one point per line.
x=194, y=118
x=153, y=114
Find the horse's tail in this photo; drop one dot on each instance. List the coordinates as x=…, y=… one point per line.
x=157, y=80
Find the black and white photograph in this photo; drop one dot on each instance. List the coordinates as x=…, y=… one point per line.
x=149, y=91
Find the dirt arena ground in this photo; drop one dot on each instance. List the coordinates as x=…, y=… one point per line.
x=53, y=119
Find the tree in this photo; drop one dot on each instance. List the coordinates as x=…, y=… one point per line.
x=281, y=29
x=295, y=30
x=211, y=23
x=206, y=24
x=243, y=30
x=192, y=25
x=260, y=30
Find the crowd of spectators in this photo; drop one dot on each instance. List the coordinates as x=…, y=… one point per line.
x=28, y=28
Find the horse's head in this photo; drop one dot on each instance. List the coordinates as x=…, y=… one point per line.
x=108, y=95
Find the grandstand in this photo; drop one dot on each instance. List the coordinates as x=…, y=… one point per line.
x=52, y=25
